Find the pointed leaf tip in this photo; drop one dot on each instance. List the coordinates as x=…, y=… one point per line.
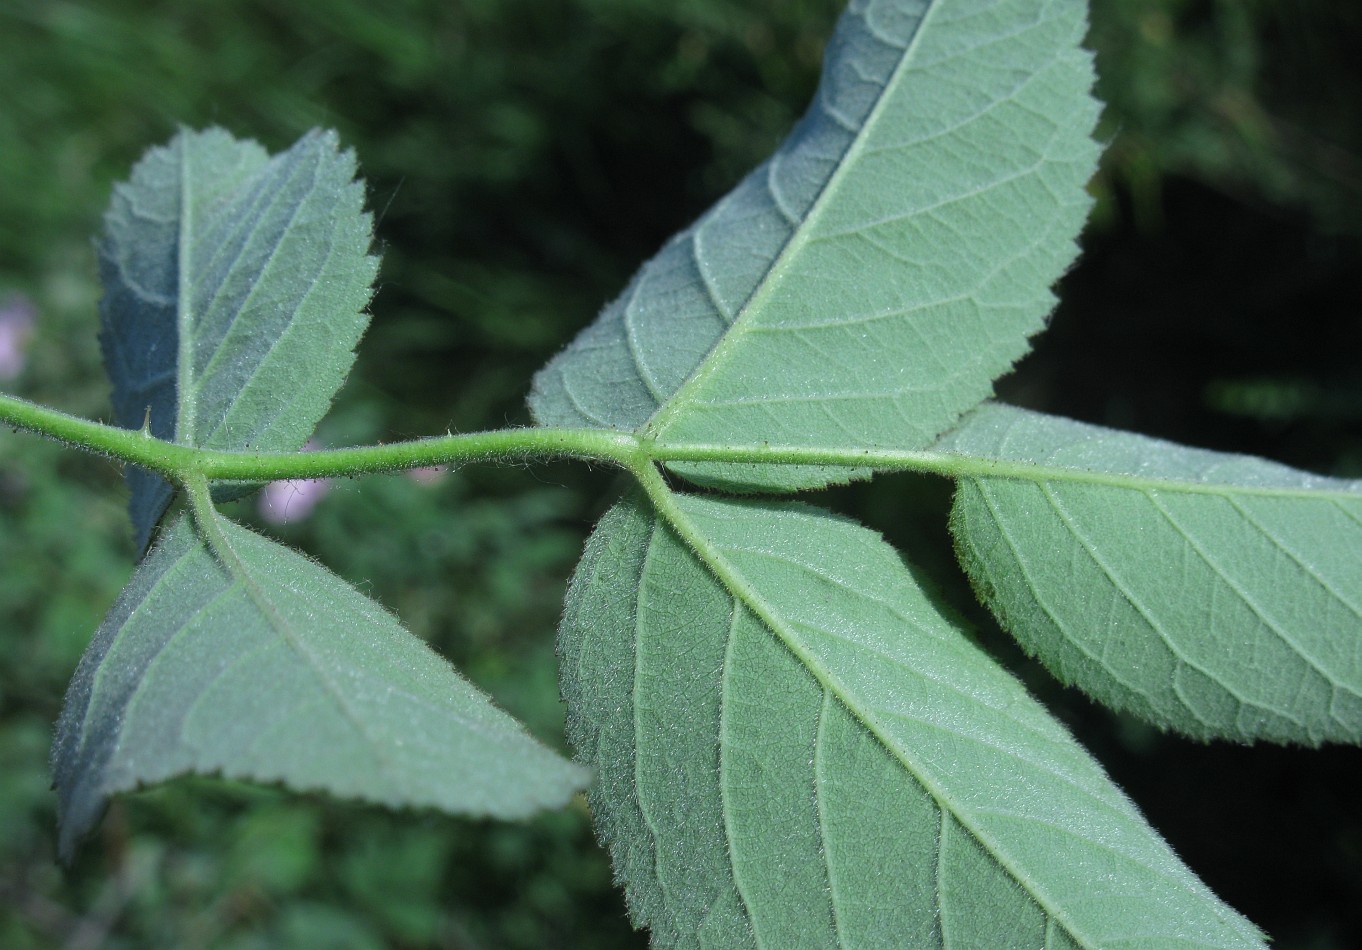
x=251, y=661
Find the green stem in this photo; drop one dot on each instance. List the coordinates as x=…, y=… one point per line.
x=181, y=462
x=967, y=466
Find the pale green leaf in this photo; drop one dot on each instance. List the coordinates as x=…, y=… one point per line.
x=868, y=283
x=796, y=748
x=257, y=663
x=1218, y=595
x=234, y=289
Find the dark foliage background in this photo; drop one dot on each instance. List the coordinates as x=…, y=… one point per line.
x=523, y=157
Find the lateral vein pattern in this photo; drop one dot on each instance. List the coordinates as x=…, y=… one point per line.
x=867, y=284
x=795, y=747
x=259, y=664
x=234, y=289
x=1229, y=612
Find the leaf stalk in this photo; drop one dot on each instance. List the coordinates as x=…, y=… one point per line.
x=182, y=463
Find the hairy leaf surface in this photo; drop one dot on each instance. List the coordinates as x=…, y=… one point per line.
x=868, y=283
x=234, y=284
x=1218, y=595
x=254, y=662
x=796, y=748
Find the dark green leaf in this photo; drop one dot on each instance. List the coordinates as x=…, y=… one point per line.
x=254, y=662
x=234, y=285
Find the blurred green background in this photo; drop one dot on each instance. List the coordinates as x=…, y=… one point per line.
x=522, y=158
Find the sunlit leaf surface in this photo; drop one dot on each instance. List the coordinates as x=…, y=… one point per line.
x=1219, y=595
x=868, y=283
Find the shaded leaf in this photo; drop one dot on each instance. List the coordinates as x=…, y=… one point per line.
x=234, y=285
x=1218, y=595
x=796, y=748
x=868, y=283
x=257, y=663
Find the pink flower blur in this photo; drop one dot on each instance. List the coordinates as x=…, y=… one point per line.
x=428, y=474
x=285, y=501
x=17, y=317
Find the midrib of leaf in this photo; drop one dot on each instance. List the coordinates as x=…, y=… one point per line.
x=185, y=393
x=739, y=327
x=664, y=503
x=189, y=383
x=193, y=382
x=260, y=363
x=1208, y=563
x=206, y=519
x=953, y=465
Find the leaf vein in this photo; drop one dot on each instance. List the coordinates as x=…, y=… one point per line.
x=1139, y=606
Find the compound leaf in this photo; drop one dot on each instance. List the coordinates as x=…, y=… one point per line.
x=1218, y=595
x=250, y=661
x=867, y=284
x=234, y=289
x=796, y=748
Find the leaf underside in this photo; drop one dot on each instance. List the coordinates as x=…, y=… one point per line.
x=796, y=748
x=867, y=284
x=235, y=284
x=1218, y=595
x=234, y=289
x=254, y=662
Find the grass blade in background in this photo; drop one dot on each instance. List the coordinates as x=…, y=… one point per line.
x=1218, y=595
